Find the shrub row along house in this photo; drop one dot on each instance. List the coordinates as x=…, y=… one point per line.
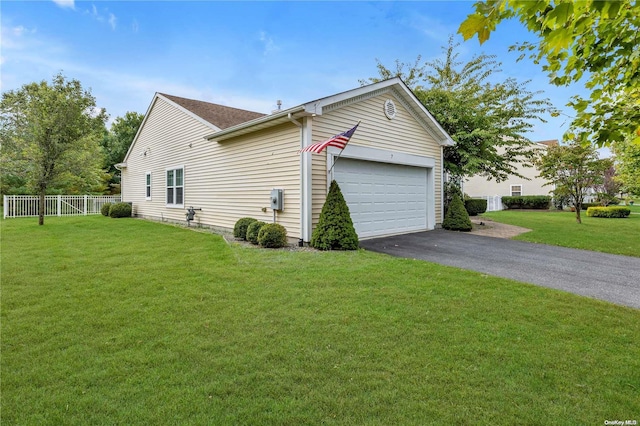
x=226, y=162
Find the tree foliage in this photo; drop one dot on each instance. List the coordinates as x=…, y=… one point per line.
x=116, y=143
x=50, y=137
x=574, y=169
x=627, y=157
x=486, y=120
x=608, y=190
x=593, y=38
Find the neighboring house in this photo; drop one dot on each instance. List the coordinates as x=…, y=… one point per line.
x=226, y=162
x=481, y=187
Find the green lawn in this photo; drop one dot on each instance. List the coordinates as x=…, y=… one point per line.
x=123, y=321
x=617, y=236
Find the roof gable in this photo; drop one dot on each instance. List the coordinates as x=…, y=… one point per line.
x=219, y=115
x=317, y=107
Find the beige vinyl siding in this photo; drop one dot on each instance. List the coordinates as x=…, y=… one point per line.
x=479, y=186
x=246, y=169
x=404, y=134
x=226, y=180
x=166, y=136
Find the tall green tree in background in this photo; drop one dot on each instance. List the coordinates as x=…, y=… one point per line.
x=574, y=170
x=50, y=136
x=116, y=143
x=627, y=156
x=486, y=119
x=591, y=40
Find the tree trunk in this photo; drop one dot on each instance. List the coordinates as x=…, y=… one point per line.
x=578, y=209
x=41, y=208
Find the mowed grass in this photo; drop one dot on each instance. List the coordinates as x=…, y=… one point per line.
x=123, y=321
x=558, y=228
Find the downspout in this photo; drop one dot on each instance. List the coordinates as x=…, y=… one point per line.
x=302, y=184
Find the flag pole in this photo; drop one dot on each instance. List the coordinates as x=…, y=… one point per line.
x=340, y=153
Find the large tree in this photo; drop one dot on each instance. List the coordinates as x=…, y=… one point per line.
x=574, y=170
x=627, y=157
x=116, y=143
x=50, y=136
x=592, y=40
x=487, y=120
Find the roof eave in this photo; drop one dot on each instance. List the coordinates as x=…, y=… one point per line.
x=257, y=124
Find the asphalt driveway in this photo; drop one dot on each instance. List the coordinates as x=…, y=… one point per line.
x=598, y=275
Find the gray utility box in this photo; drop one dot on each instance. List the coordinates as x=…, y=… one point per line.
x=277, y=199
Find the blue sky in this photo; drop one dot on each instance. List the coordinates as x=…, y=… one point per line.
x=242, y=54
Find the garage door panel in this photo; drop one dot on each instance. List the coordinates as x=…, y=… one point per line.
x=383, y=198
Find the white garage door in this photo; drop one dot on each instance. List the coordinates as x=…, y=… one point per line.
x=383, y=198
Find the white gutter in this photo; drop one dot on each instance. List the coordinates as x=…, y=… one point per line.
x=255, y=124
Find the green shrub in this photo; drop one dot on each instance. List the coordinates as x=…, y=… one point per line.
x=240, y=228
x=475, y=206
x=105, y=209
x=457, y=218
x=253, y=230
x=609, y=212
x=272, y=235
x=539, y=202
x=120, y=210
x=335, y=229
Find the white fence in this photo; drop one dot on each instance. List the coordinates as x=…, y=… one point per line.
x=494, y=203
x=56, y=205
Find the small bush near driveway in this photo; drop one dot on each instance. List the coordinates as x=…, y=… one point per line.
x=457, y=218
x=475, y=206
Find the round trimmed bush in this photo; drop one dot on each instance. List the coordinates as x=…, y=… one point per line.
x=475, y=206
x=253, y=231
x=120, y=210
x=272, y=235
x=457, y=218
x=105, y=209
x=240, y=228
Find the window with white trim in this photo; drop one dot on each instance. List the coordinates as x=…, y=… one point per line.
x=516, y=190
x=175, y=187
x=147, y=186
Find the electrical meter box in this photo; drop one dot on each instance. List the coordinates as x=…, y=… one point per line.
x=277, y=199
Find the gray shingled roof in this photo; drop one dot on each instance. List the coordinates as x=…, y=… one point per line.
x=219, y=115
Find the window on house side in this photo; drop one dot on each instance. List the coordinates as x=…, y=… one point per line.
x=516, y=190
x=148, y=187
x=175, y=187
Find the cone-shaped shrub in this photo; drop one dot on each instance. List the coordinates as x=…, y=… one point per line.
x=457, y=218
x=335, y=229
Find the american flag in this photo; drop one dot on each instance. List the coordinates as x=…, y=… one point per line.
x=339, y=141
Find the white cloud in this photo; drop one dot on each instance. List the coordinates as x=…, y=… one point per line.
x=112, y=21
x=135, y=26
x=70, y=4
x=268, y=43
